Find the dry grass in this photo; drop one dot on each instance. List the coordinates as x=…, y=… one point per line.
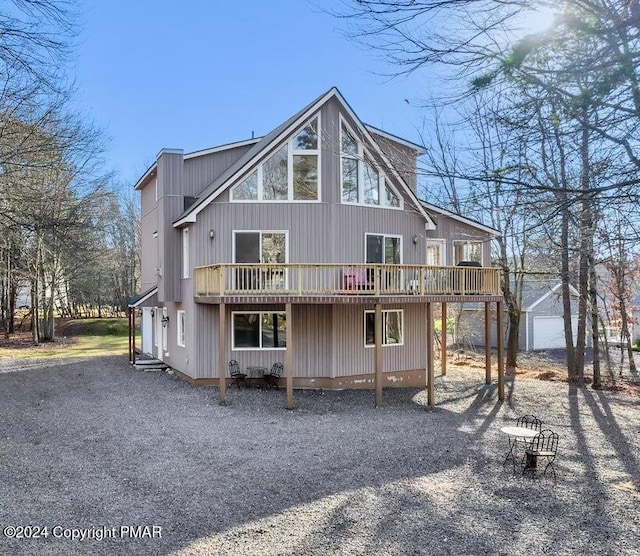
x=20, y=346
x=542, y=366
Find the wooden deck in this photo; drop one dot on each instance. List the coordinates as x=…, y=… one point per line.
x=332, y=283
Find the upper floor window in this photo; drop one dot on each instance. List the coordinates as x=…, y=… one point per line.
x=291, y=173
x=467, y=251
x=362, y=182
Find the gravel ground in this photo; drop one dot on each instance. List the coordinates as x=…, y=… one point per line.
x=92, y=444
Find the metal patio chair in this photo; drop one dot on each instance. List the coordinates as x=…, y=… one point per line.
x=544, y=446
x=236, y=375
x=529, y=422
x=272, y=377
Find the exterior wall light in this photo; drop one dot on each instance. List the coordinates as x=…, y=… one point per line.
x=212, y=234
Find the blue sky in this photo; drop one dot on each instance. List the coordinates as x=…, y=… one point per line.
x=198, y=73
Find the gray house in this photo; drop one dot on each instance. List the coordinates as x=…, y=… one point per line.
x=309, y=247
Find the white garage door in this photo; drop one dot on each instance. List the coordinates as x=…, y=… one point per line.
x=548, y=332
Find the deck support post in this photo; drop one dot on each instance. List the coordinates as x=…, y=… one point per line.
x=130, y=330
x=487, y=343
x=288, y=364
x=222, y=351
x=378, y=355
x=133, y=335
x=443, y=340
x=500, y=337
x=429, y=344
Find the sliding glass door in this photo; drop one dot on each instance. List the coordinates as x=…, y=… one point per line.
x=258, y=247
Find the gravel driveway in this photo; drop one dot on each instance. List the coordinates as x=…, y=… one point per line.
x=90, y=446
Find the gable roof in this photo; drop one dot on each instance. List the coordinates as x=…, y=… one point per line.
x=139, y=299
x=460, y=218
x=252, y=156
x=535, y=292
x=195, y=154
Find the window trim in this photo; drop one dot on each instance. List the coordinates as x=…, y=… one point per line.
x=259, y=313
x=465, y=241
x=291, y=152
x=286, y=242
x=362, y=157
x=181, y=335
x=384, y=236
x=384, y=312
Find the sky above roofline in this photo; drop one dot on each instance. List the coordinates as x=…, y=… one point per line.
x=199, y=74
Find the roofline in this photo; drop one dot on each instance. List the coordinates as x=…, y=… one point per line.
x=190, y=217
x=145, y=296
x=430, y=224
x=551, y=291
x=420, y=149
x=148, y=173
x=460, y=218
x=220, y=148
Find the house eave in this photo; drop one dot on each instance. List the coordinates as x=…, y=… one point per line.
x=419, y=149
x=222, y=148
x=491, y=231
x=150, y=172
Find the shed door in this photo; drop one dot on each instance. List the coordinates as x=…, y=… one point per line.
x=548, y=332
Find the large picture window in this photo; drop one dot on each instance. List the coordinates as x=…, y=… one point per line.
x=259, y=330
x=291, y=173
x=362, y=182
x=392, y=334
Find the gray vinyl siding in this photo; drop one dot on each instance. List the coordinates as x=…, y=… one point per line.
x=149, y=244
x=318, y=233
x=453, y=230
x=205, y=335
x=353, y=358
x=200, y=171
x=328, y=341
x=170, y=206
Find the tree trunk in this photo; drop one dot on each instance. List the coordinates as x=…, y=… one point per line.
x=595, y=333
x=565, y=277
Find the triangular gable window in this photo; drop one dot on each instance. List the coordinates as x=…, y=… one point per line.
x=247, y=189
x=291, y=173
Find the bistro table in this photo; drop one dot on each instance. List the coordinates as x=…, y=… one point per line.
x=256, y=373
x=515, y=435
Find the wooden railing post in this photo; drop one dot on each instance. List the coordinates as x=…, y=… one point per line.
x=222, y=279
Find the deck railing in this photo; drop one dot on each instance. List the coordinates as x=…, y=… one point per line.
x=343, y=279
